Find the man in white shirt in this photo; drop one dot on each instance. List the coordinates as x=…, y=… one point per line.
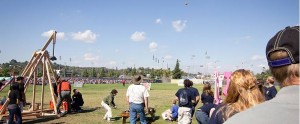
x=137, y=98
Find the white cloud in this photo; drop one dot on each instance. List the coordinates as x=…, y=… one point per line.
x=87, y=36
x=153, y=46
x=158, y=21
x=179, y=25
x=167, y=57
x=90, y=57
x=138, y=36
x=59, y=35
x=257, y=57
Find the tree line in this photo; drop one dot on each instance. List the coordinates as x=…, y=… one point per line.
x=13, y=66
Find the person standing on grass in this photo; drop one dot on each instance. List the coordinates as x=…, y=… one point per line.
x=123, y=82
x=137, y=98
x=22, y=102
x=270, y=90
x=107, y=103
x=20, y=83
x=13, y=107
x=64, y=93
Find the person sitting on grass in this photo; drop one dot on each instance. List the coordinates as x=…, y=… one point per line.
x=186, y=100
x=171, y=114
x=107, y=103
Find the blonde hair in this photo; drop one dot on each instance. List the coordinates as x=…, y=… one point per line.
x=271, y=79
x=285, y=75
x=242, y=93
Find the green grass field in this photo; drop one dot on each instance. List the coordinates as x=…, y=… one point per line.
x=161, y=96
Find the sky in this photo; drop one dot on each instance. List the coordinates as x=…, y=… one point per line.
x=204, y=35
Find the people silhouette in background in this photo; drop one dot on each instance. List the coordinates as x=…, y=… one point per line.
x=270, y=89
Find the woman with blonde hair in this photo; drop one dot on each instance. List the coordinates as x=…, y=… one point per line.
x=243, y=93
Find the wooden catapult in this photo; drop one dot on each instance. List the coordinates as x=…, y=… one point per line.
x=40, y=59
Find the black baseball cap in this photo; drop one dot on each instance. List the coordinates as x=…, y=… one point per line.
x=286, y=40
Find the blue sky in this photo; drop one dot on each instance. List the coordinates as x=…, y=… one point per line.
x=221, y=35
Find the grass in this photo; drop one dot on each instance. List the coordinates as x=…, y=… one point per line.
x=161, y=96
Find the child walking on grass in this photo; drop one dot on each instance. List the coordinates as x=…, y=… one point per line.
x=108, y=102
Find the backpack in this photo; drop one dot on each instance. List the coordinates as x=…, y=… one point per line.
x=183, y=97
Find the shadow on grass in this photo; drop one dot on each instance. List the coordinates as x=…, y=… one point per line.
x=41, y=120
x=150, y=120
x=116, y=118
x=45, y=119
x=86, y=110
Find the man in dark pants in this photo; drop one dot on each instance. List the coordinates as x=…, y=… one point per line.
x=77, y=101
x=13, y=107
x=20, y=81
x=64, y=93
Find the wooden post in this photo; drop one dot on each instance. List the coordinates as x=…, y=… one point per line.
x=43, y=81
x=34, y=90
x=51, y=88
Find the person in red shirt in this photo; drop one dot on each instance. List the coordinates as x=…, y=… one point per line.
x=64, y=93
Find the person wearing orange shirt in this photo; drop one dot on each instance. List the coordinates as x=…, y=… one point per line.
x=64, y=93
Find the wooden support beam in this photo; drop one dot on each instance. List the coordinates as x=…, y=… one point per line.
x=31, y=73
x=34, y=90
x=51, y=88
x=43, y=81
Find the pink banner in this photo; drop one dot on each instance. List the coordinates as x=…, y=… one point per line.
x=227, y=76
